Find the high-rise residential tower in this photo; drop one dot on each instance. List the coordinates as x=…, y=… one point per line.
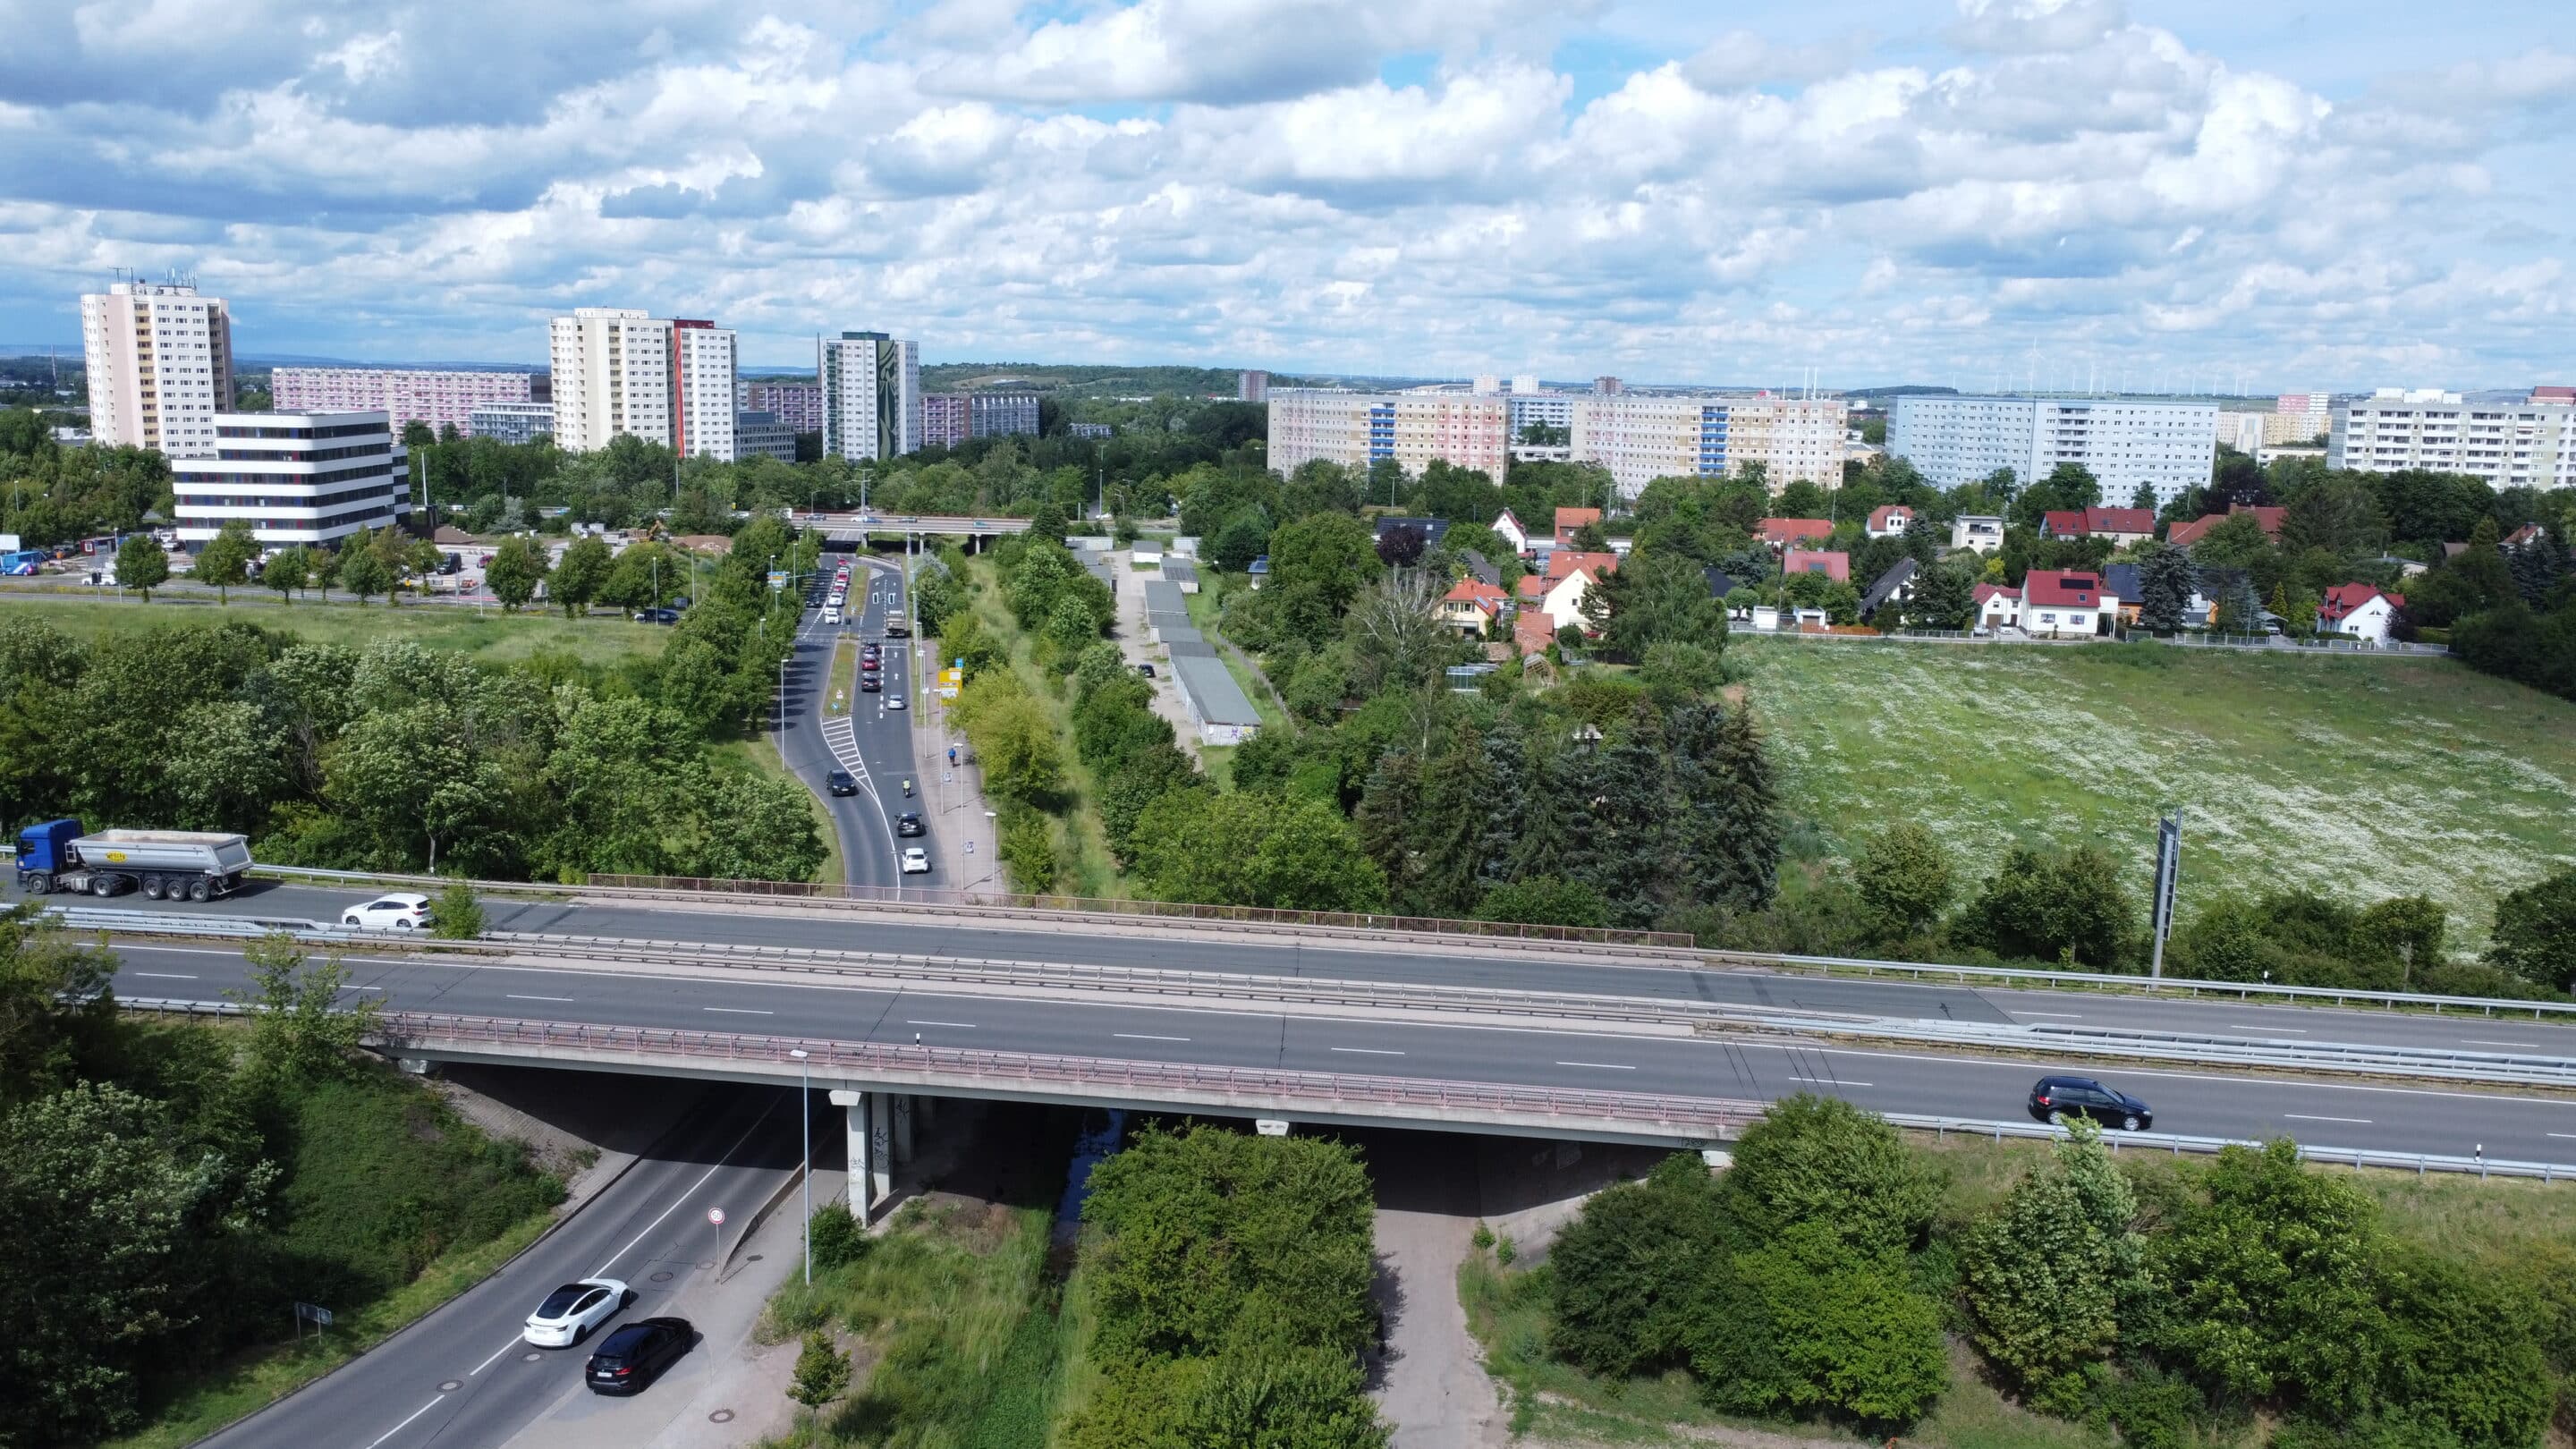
x=871, y=395
x=2163, y=447
x=160, y=366
x=618, y=371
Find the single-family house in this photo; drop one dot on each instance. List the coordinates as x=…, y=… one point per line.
x=2209, y=585
x=2363, y=611
x=1532, y=632
x=1531, y=590
x=2185, y=534
x=1563, y=561
x=1783, y=533
x=1892, y=587
x=1258, y=573
x=2123, y=526
x=1431, y=529
x=1563, y=603
x=1570, y=521
x=2120, y=581
x=1977, y=532
x=2521, y=538
x=1832, y=563
x=2066, y=604
x=1998, y=606
x=1481, y=567
x=1889, y=520
x=1471, y=605
x=1509, y=530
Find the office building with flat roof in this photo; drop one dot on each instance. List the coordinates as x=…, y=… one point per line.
x=311, y=478
x=512, y=422
x=762, y=435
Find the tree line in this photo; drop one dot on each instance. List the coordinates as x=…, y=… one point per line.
x=1819, y=1276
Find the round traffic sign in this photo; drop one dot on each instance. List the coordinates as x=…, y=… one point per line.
x=716, y=1216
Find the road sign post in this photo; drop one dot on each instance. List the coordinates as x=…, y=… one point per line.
x=2168, y=873
x=715, y=1223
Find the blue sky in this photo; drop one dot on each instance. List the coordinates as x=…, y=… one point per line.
x=2277, y=196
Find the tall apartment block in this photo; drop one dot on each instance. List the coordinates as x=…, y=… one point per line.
x=2166, y=447
x=797, y=404
x=160, y=366
x=618, y=371
x=1356, y=429
x=1252, y=385
x=946, y=420
x=2530, y=444
x=522, y=422
x=1001, y=414
x=293, y=477
x=1640, y=437
x=2298, y=417
x=871, y=395
x=404, y=395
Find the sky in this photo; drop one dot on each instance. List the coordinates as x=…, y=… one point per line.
x=2230, y=195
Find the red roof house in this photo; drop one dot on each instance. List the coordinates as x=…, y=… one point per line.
x=1565, y=561
x=1782, y=532
x=2184, y=535
x=2120, y=525
x=1997, y=605
x=1889, y=520
x=2065, y=604
x=1568, y=520
x=1470, y=605
x=1832, y=563
x=2364, y=611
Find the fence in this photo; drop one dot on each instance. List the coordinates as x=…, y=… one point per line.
x=2143, y=985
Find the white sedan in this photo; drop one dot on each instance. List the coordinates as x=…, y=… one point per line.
x=401, y=911
x=915, y=861
x=572, y=1311
x=894, y=701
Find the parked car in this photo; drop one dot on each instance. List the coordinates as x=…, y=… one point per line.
x=908, y=823
x=401, y=911
x=657, y=616
x=2057, y=1098
x=915, y=861
x=636, y=1354
x=841, y=782
x=573, y=1310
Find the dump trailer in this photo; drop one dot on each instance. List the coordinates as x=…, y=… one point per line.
x=174, y=865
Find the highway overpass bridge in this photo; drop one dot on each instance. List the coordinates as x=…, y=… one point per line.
x=858, y=528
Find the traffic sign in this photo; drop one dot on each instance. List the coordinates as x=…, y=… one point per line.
x=715, y=1216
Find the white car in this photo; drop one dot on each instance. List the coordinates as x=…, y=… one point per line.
x=831, y=616
x=572, y=1311
x=894, y=701
x=401, y=911
x=915, y=861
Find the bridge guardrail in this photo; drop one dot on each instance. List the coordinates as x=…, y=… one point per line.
x=2144, y=985
x=1689, y=1118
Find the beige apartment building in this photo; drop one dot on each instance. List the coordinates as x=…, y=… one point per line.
x=1356, y=429
x=160, y=366
x=619, y=371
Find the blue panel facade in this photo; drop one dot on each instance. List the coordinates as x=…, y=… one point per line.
x=1712, y=440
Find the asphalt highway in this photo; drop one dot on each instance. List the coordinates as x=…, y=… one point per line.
x=872, y=742
x=463, y=1376
x=1148, y=944
x=2392, y=1118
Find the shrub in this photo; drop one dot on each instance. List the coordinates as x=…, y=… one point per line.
x=838, y=1238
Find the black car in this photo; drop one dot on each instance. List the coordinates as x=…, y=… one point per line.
x=636, y=1354
x=657, y=616
x=908, y=823
x=870, y=684
x=2058, y=1098
x=841, y=782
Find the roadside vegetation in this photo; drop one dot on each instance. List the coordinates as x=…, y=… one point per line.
x=176, y=1186
x=1838, y=1280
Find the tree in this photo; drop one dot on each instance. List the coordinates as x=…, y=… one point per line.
x=1395, y=633
x=1654, y=598
x=2166, y=579
x=516, y=568
x=300, y=1031
x=2048, y=1269
x=579, y=575
x=2535, y=932
x=1905, y=879
x=46, y=979
x=2068, y=910
x=1245, y=536
x=226, y=559
x=822, y=1372
x=141, y=565
x=1945, y=597
x=292, y=569
x=458, y=916
x=1401, y=547
x=1545, y=900
x=1627, y=1273
x=362, y=570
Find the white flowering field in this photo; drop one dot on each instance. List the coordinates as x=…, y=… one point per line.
x=2359, y=777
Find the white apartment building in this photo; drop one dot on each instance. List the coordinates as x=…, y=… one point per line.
x=405, y=395
x=1641, y=437
x=2510, y=445
x=1550, y=409
x=1795, y=439
x=2298, y=417
x=2243, y=431
x=618, y=371
x=871, y=395
x=1355, y=429
x=2165, y=446
x=294, y=477
x=160, y=366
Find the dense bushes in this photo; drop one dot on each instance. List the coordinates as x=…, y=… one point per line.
x=1231, y=1277
x=2166, y=1302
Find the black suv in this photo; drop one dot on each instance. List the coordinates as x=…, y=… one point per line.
x=908, y=823
x=841, y=782
x=636, y=1354
x=2058, y=1098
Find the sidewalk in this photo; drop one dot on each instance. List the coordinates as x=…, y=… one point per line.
x=961, y=834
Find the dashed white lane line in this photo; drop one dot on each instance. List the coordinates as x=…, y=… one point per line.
x=967, y=1025
x=738, y=1010
x=1144, y=1036
x=1599, y=1066
x=2067, y=1015
x=2481, y=1041
x=2349, y=1121
x=1367, y=1051
x=514, y=996
x=405, y=1424
x=166, y=975
x=1830, y=1081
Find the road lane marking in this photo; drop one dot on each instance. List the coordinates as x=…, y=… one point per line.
x=1145, y=1036
x=968, y=1025
x=2069, y=1015
x=1601, y=1066
x=2349, y=1121
x=602, y=1270
x=514, y=996
x=166, y=975
x=739, y=1010
x=495, y=1358
x=1367, y=1051
x=2570, y=1136
x=2465, y=1041
x=1829, y=1081
x=405, y=1424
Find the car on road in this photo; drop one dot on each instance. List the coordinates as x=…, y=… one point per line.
x=894, y=701
x=573, y=1310
x=870, y=684
x=908, y=823
x=2055, y=1099
x=916, y=861
x=400, y=911
x=841, y=782
x=870, y=665
x=636, y=1354
x=832, y=616
x=657, y=616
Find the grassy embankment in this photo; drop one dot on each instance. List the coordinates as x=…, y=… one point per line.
x=381, y=1171
x=2359, y=778
x=1205, y=608
x=1555, y=1403
x=1084, y=865
x=603, y=639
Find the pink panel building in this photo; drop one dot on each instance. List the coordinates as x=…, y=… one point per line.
x=405, y=395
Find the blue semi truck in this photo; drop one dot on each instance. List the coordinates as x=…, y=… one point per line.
x=175, y=865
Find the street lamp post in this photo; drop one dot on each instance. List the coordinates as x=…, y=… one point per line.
x=805, y=1096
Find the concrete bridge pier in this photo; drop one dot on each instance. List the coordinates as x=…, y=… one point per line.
x=903, y=1130
x=879, y=1128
